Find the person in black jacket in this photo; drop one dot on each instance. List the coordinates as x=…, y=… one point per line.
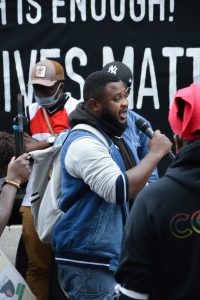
x=160, y=253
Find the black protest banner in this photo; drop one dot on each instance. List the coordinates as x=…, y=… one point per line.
x=157, y=39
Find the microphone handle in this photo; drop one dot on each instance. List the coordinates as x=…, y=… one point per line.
x=149, y=132
x=171, y=155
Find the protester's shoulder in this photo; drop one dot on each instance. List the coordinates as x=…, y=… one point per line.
x=86, y=136
x=33, y=105
x=81, y=146
x=32, y=109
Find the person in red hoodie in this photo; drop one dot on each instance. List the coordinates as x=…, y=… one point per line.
x=160, y=252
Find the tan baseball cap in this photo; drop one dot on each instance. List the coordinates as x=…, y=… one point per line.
x=47, y=72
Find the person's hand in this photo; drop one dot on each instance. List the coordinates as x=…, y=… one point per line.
x=30, y=143
x=160, y=144
x=28, y=138
x=18, y=169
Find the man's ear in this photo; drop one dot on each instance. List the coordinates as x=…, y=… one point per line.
x=94, y=105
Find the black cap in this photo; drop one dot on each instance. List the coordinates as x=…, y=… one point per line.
x=121, y=70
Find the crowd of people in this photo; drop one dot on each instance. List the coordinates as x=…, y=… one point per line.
x=123, y=228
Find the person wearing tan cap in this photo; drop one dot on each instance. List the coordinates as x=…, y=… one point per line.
x=48, y=117
x=160, y=253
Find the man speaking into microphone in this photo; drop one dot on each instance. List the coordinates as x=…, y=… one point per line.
x=106, y=160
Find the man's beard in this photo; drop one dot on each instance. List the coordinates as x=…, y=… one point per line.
x=112, y=121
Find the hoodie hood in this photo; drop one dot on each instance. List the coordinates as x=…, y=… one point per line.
x=184, y=113
x=186, y=168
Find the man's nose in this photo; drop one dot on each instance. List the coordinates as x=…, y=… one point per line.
x=124, y=101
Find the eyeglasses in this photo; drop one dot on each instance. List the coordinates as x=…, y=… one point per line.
x=127, y=92
x=125, y=95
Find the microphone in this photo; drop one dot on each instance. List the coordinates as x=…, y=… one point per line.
x=146, y=129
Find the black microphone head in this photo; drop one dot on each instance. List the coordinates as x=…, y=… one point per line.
x=142, y=124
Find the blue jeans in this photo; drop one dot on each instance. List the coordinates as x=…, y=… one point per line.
x=86, y=283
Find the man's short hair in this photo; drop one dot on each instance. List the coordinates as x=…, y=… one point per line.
x=95, y=83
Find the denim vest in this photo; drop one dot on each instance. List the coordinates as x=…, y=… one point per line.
x=90, y=232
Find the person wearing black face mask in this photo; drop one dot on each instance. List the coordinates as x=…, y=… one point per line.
x=47, y=117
